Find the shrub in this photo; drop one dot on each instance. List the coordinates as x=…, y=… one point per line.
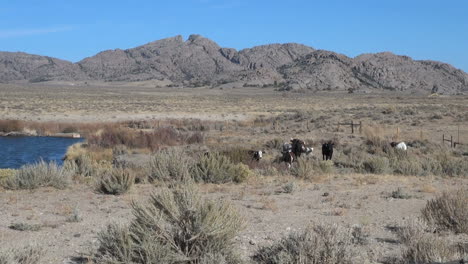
x=41, y=174
x=422, y=246
x=452, y=166
x=171, y=164
x=400, y=194
x=6, y=174
x=290, y=187
x=113, y=136
x=25, y=255
x=408, y=166
x=376, y=165
x=217, y=168
x=25, y=227
x=449, y=211
x=237, y=155
x=84, y=166
x=303, y=169
x=325, y=244
x=276, y=143
x=116, y=181
x=177, y=226
x=11, y=126
x=325, y=166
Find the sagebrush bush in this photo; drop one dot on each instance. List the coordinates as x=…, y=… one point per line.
x=237, y=155
x=177, y=226
x=324, y=166
x=116, y=181
x=324, y=244
x=423, y=246
x=217, y=168
x=170, y=164
x=452, y=166
x=376, y=165
x=25, y=255
x=448, y=211
x=303, y=169
x=40, y=174
x=406, y=166
x=84, y=166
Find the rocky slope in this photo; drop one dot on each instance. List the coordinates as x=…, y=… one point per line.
x=200, y=61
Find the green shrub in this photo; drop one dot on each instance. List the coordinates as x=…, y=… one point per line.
x=41, y=174
x=177, y=226
x=217, y=168
x=25, y=255
x=376, y=165
x=448, y=211
x=171, y=164
x=116, y=181
x=325, y=244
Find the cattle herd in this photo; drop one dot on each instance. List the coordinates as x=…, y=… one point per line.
x=295, y=148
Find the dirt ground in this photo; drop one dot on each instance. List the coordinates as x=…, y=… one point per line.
x=270, y=213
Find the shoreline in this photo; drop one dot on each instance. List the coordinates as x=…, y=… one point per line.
x=26, y=134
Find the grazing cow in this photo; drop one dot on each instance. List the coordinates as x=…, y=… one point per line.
x=289, y=157
x=399, y=145
x=298, y=147
x=256, y=154
x=327, y=150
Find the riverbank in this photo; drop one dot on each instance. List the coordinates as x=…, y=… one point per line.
x=28, y=134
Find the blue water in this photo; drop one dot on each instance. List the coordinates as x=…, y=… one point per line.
x=18, y=151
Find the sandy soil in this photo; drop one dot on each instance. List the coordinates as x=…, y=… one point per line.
x=352, y=199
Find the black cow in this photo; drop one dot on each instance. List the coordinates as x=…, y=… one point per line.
x=327, y=150
x=298, y=147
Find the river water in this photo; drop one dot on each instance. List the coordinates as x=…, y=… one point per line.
x=18, y=151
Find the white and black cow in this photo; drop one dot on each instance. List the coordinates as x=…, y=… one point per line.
x=256, y=154
x=399, y=145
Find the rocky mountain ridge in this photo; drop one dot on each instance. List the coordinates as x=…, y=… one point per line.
x=199, y=61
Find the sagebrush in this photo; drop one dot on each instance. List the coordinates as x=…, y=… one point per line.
x=176, y=226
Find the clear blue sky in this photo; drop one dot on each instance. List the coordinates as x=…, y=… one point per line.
x=75, y=29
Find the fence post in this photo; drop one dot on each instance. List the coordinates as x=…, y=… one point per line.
x=352, y=127
x=451, y=141
x=360, y=127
